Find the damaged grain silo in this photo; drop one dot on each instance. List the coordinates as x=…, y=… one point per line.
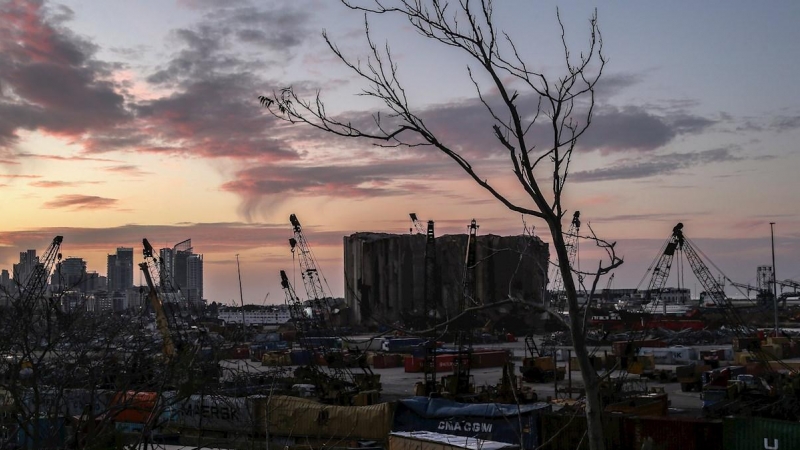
x=386, y=280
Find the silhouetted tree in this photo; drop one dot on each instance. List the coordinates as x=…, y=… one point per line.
x=535, y=119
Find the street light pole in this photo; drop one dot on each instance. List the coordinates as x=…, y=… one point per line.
x=774, y=276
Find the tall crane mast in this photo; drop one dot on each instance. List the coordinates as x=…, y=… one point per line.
x=337, y=384
x=431, y=299
x=340, y=379
x=416, y=225
x=468, y=284
x=678, y=243
x=149, y=267
x=571, y=242
x=309, y=272
x=664, y=264
x=36, y=284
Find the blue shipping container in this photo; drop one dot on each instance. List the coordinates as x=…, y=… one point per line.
x=42, y=433
x=492, y=421
x=300, y=357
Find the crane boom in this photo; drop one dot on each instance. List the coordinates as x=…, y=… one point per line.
x=36, y=283
x=571, y=242
x=155, y=301
x=664, y=264
x=468, y=283
x=308, y=269
x=710, y=284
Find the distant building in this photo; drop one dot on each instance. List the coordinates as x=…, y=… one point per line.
x=194, y=279
x=385, y=275
x=268, y=315
x=185, y=270
x=23, y=270
x=69, y=274
x=120, y=270
x=5, y=280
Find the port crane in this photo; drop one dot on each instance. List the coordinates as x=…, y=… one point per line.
x=149, y=267
x=678, y=243
x=36, y=284
x=417, y=227
x=571, y=242
x=762, y=295
x=339, y=384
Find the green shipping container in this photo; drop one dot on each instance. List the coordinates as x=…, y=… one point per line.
x=751, y=433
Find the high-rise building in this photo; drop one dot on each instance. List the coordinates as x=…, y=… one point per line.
x=120, y=270
x=166, y=265
x=180, y=256
x=5, y=279
x=111, y=269
x=27, y=262
x=70, y=274
x=194, y=278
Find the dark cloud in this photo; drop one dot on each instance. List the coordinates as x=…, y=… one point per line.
x=214, y=118
x=213, y=46
x=466, y=126
x=786, y=123
x=376, y=179
x=633, y=128
x=50, y=79
x=75, y=201
x=655, y=165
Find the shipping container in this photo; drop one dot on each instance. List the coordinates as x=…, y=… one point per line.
x=493, y=358
x=42, y=433
x=673, y=433
x=299, y=417
x=133, y=407
x=67, y=402
x=300, y=357
x=402, y=344
x=428, y=440
x=568, y=432
x=221, y=413
x=490, y=421
x=670, y=355
x=752, y=433
x=627, y=348
x=442, y=363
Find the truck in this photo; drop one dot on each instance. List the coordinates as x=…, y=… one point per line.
x=690, y=376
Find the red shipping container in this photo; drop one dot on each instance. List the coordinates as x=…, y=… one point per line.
x=133, y=407
x=492, y=358
x=379, y=361
x=443, y=363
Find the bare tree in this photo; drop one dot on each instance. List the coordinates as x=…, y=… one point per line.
x=537, y=119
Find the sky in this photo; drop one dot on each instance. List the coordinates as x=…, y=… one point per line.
x=122, y=120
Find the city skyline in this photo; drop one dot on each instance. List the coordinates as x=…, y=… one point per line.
x=120, y=121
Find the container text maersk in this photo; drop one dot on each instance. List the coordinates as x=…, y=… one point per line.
x=477, y=427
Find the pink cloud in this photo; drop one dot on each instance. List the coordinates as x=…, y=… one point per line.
x=80, y=202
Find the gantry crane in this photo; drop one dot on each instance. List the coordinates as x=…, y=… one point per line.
x=571, y=242
x=762, y=295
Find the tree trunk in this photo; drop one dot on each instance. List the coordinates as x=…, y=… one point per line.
x=594, y=409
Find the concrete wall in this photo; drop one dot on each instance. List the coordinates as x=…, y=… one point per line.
x=385, y=273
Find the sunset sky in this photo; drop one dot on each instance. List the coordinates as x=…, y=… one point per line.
x=127, y=119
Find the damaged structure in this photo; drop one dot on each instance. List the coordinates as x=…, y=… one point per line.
x=391, y=277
